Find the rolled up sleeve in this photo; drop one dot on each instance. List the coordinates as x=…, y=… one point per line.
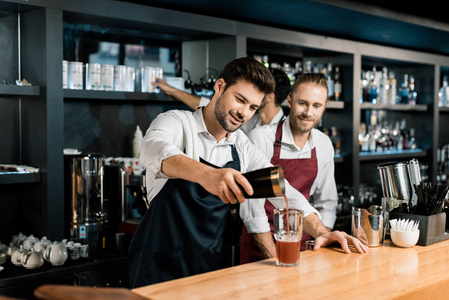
x=161, y=141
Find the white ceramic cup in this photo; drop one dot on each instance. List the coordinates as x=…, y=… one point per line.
x=107, y=77
x=75, y=75
x=93, y=77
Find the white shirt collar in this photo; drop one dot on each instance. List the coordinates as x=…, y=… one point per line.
x=201, y=126
x=287, y=135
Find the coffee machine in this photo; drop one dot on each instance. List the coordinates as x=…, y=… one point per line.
x=85, y=213
x=127, y=198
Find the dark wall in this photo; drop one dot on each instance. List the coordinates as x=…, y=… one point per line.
x=108, y=127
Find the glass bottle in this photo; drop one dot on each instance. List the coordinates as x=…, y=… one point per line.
x=363, y=87
x=392, y=91
x=443, y=94
x=383, y=87
x=363, y=138
x=404, y=91
x=373, y=87
x=412, y=92
x=336, y=140
x=265, y=61
x=330, y=82
x=338, y=86
x=404, y=134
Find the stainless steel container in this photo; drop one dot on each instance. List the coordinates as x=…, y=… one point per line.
x=85, y=198
x=397, y=179
x=368, y=225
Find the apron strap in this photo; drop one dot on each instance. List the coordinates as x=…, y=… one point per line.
x=277, y=142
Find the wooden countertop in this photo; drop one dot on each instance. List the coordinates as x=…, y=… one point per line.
x=386, y=272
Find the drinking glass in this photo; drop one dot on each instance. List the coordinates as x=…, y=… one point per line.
x=287, y=232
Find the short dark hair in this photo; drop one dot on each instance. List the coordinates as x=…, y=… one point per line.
x=282, y=86
x=317, y=79
x=250, y=70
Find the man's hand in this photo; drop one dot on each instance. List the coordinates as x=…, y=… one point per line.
x=219, y=182
x=223, y=183
x=343, y=238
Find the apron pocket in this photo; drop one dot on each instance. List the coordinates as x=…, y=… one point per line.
x=167, y=265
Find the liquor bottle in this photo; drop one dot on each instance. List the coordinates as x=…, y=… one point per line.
x=404, y=91
x=338, y=87
x=265, y=61
x=372, y=139
x=308, y=67
x=412, y=139
x=383, y=87
x=298, y=69
x=330, y=82
x=363, y=87
x=412, y=93
x=336, y=140
x=373, y=87
x=404, y=134
x=392, y=91
x=363, y=138
x=397, y=137
x=443, y=94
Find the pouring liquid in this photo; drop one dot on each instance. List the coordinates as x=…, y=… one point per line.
x=286, y=208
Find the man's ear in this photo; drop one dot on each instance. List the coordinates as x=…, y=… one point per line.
x=219, y=85
x=289, y=101
x=269, y=98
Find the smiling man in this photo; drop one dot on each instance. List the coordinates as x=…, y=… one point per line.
x=307, y=158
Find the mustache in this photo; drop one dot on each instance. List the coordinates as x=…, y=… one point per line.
x=238, y=116
x=302, y=117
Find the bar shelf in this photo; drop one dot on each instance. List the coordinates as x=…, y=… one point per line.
x=392, y=154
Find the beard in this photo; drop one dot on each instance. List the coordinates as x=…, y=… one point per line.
x=221, y=114
x=297, y=125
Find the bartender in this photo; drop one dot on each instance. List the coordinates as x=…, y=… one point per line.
x=305, y=154
x=194, y=164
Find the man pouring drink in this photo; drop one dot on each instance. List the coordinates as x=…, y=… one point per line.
x=194, y=164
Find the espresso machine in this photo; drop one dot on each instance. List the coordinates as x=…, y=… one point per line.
x=85, y=211
x=127, y=198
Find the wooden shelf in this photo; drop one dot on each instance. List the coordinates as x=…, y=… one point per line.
x=112, y=95
x=397, y=107
x=444, y=109
x=391, y=154
x=19, y=178
x=17, y=90
x=335, y=104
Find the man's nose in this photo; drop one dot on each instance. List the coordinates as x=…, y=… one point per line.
x=308, y=110
x=245, y=111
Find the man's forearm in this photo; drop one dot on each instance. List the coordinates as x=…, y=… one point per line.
x=265, y=243
x=181, y=166
x=192, y=101
x=314, y=226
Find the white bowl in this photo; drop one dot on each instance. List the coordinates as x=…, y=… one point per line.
x=404, y=238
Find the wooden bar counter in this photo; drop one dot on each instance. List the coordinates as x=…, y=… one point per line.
x=386, y=272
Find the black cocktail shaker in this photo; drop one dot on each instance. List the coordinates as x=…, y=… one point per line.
x=267, y=182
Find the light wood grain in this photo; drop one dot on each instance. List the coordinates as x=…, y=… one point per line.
x=386, y=272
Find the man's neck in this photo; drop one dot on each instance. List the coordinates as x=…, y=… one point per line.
x=213, y=126
x=268, y=114
x=300, y=138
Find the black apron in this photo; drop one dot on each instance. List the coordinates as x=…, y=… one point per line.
x=181, y=234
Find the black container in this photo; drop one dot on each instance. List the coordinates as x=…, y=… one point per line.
x=266, y=183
